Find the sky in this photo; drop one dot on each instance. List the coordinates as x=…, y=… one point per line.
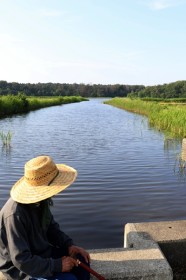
x=134, y=42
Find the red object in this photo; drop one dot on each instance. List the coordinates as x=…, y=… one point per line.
x=93, y=272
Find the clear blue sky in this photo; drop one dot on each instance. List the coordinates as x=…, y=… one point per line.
x=93, y=41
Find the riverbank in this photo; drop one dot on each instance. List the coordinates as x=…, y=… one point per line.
x=17, y=104
x=166, y=117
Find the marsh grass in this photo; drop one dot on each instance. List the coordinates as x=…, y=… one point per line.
x=165, y=100
x=168, y=118
x=11, y=104
x=6, y=138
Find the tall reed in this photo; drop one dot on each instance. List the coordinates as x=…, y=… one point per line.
x=171, y=119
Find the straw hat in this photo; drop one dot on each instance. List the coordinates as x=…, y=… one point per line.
x=42, y=179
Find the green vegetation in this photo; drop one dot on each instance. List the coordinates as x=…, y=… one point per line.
x=57, y=89
x=165, y=91
x=164, y=100
x=16, y=104
x=171, y=119
x=6, y=138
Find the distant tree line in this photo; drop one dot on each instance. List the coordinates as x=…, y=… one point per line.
x=57, y=89
x=165, y=91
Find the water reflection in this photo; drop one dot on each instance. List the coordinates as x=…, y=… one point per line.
x=181, y=160
x=171, y=144
x=6, y=151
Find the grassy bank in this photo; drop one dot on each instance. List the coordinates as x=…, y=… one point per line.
x=10, y=104
x=171, y=119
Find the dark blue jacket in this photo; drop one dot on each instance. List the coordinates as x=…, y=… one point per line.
x=25, y=245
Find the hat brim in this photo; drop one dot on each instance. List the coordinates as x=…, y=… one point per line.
x=24, y=193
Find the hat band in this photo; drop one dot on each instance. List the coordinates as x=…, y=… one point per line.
x=53, y=178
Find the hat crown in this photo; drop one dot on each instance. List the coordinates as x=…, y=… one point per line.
x=40, y=171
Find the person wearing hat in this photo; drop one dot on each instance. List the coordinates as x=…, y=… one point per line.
x=32, y=246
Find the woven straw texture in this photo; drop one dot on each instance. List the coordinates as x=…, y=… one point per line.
x=42, y=179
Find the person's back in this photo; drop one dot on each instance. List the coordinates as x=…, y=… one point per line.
x=21, y=219
x=6, y=264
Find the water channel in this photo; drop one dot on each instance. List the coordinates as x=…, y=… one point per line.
x=126, y=171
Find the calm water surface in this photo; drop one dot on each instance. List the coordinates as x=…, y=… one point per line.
x=126, y=172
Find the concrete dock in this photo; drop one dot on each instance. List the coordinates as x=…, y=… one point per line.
x=155, y=250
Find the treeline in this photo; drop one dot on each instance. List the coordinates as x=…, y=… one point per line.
x=165, y=91
x=57, y=89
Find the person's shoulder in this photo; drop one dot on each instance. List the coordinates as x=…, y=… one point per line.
x=11, y=207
